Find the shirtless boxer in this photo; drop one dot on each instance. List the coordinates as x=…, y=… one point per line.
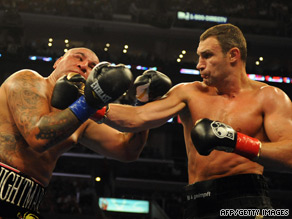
x=220, y=176
x=33, y=134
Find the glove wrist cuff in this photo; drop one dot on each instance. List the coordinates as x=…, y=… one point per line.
x=81, y=109
x=100, y=115
x=247, y=146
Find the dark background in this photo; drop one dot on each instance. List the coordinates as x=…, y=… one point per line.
x=155, y=39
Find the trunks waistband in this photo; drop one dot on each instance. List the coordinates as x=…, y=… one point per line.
x=205, y=199
x=252, y=184
x=19, y=190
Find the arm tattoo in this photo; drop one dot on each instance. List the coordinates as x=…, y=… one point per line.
x=8, y=147
x=25, y=102
x=27, y=97
x=58, y=127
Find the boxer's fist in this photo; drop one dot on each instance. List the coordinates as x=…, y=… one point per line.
x=208, y=135
x=106, y=83
x=67, y=89
x=151, y=85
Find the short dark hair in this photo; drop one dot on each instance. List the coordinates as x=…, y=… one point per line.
x=229, y=36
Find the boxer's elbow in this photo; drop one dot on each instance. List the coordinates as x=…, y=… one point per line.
x=131, y=153
x=125, y=156
x=288, y=166
x=42, y=148
x=41, y=144
x=130, y=157
x=38, y=146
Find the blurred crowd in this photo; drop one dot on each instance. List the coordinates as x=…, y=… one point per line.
x=68, y=195
x=265, y=9
x=79, y=196
x=271, y=10
x=277, y=12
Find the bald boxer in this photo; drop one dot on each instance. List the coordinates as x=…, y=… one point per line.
x=242, y=127
x=34, y=134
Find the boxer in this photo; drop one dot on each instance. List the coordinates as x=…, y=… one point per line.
x=34, y=134
x=242, y=127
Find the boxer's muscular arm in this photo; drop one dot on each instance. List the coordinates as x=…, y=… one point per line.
x=150, y=115
x=120, y=145
x=278, y=126
x=127, y=146
x=29, y=106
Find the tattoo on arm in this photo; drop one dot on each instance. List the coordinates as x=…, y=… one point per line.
x=58, y=127
x=25, y=102
x=27, y=97
x=8, y=148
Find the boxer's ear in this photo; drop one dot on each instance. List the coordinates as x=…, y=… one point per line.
x=57, y=62
x=234, y=54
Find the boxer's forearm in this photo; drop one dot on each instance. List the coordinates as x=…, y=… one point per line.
x=276, y=156
x=133, y=119
x=124, y=118
x=52, y=129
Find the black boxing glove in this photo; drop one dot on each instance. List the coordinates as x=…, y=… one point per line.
x=67, y=89
x=208, y=135
x=105, y=84
x=151, y=85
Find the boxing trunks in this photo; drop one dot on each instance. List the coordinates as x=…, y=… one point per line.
x=20, y=195
x=209, y=199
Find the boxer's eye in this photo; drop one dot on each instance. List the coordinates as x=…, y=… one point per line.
x=92, y=65
x=77, y=56
x=206, y=55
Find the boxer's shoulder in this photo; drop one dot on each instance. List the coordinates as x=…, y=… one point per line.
x=186, y=87
x=25, y=73
x=268, y=94
x=25, y=79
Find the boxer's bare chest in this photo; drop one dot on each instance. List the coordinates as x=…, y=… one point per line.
x=243, y=112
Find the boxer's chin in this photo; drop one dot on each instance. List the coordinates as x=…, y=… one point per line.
x=206, y=82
